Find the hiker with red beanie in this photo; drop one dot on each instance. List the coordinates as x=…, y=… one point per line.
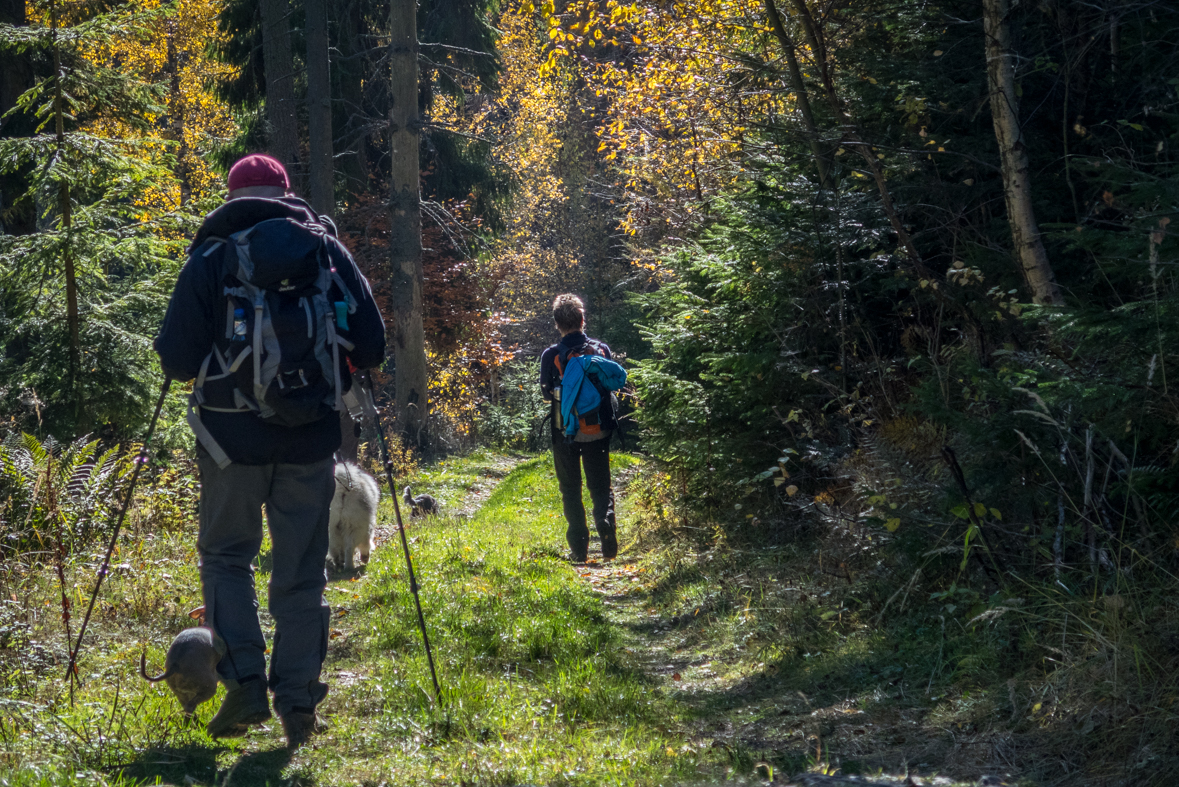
x=266, y=316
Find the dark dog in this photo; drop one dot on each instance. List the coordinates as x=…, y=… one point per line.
x=190, y=668
x=422, y=505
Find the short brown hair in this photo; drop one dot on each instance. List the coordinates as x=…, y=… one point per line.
x=569, y=312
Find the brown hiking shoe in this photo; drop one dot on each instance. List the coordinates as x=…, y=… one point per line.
x=245, y=705
x=299, y=725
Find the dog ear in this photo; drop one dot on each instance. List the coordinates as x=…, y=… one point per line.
x=198, y=613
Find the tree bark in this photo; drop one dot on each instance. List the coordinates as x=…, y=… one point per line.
x=1017, y=185
x=73, y=317
x=319, y=110
x=348, y=109
x=851, y=135
x=800, y=94
x=280, y=85
x=815, y=40
x=16, y=76
x=405, y=224
x=176, y=112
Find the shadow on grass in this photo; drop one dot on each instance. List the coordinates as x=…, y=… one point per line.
x=197, y=764
x=261, y=768
x=340, y=574
x=172, y=764
x=800, y=659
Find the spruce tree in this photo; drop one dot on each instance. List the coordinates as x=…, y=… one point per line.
x=82, y=296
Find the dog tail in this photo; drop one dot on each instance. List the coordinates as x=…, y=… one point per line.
x=143, y=669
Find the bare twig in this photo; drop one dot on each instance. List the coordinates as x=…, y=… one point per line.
x=956, y=470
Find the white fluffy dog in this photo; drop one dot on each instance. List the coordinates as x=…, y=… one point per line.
x=353, y=515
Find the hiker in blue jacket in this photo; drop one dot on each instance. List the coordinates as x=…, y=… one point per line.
x=250, y=454
x=590, y=447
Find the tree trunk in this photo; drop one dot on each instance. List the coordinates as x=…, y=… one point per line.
x=1017, y=185
x=280, y=85
x=319, y=110
x=817, y=43
x=16, y=76
x=348, y=110
x=405, y=224
x=73, y=318
x=176, y=112
x=1115, y=40
x=851, y=135
x=800, y=94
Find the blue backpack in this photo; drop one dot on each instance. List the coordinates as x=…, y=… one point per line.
x=587, y=382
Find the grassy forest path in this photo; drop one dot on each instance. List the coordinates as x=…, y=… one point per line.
x=629, y=672
x=737, y=715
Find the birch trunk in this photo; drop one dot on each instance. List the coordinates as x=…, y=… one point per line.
x=405, y=225
x=1017, y=186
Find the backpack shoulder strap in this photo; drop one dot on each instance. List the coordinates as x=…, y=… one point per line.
x=210, y=245
x=590, y=346
x=562, y=358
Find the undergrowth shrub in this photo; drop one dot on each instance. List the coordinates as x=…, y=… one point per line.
x=991, y=480
x=55, y=495
x=168, y=500
x=516, y=415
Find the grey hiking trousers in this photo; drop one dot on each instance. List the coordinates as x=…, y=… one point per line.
x=297, y=499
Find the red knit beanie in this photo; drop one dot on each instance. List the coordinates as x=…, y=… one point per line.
x=258, y=170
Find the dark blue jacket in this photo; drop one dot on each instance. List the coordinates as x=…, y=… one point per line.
x=197, y=310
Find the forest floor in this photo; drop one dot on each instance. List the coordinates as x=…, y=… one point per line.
x=651, y=669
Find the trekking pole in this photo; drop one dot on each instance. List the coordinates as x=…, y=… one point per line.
x=140, y=461
x=413, y=582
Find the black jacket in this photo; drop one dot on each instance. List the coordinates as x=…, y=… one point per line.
x=197, y=310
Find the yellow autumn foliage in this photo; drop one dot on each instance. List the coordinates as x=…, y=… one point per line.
x=529, y=118
x=174, y=55
x=676, y=100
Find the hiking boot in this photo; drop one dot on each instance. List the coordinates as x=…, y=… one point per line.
x=299, y=724
x=610, y=545
x=578, y=548
x=246, y=704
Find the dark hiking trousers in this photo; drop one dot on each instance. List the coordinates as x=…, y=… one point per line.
x=297, y=499
x=569, y=458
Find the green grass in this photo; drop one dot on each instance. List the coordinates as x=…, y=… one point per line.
x=538, y=684
x=676, y=665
